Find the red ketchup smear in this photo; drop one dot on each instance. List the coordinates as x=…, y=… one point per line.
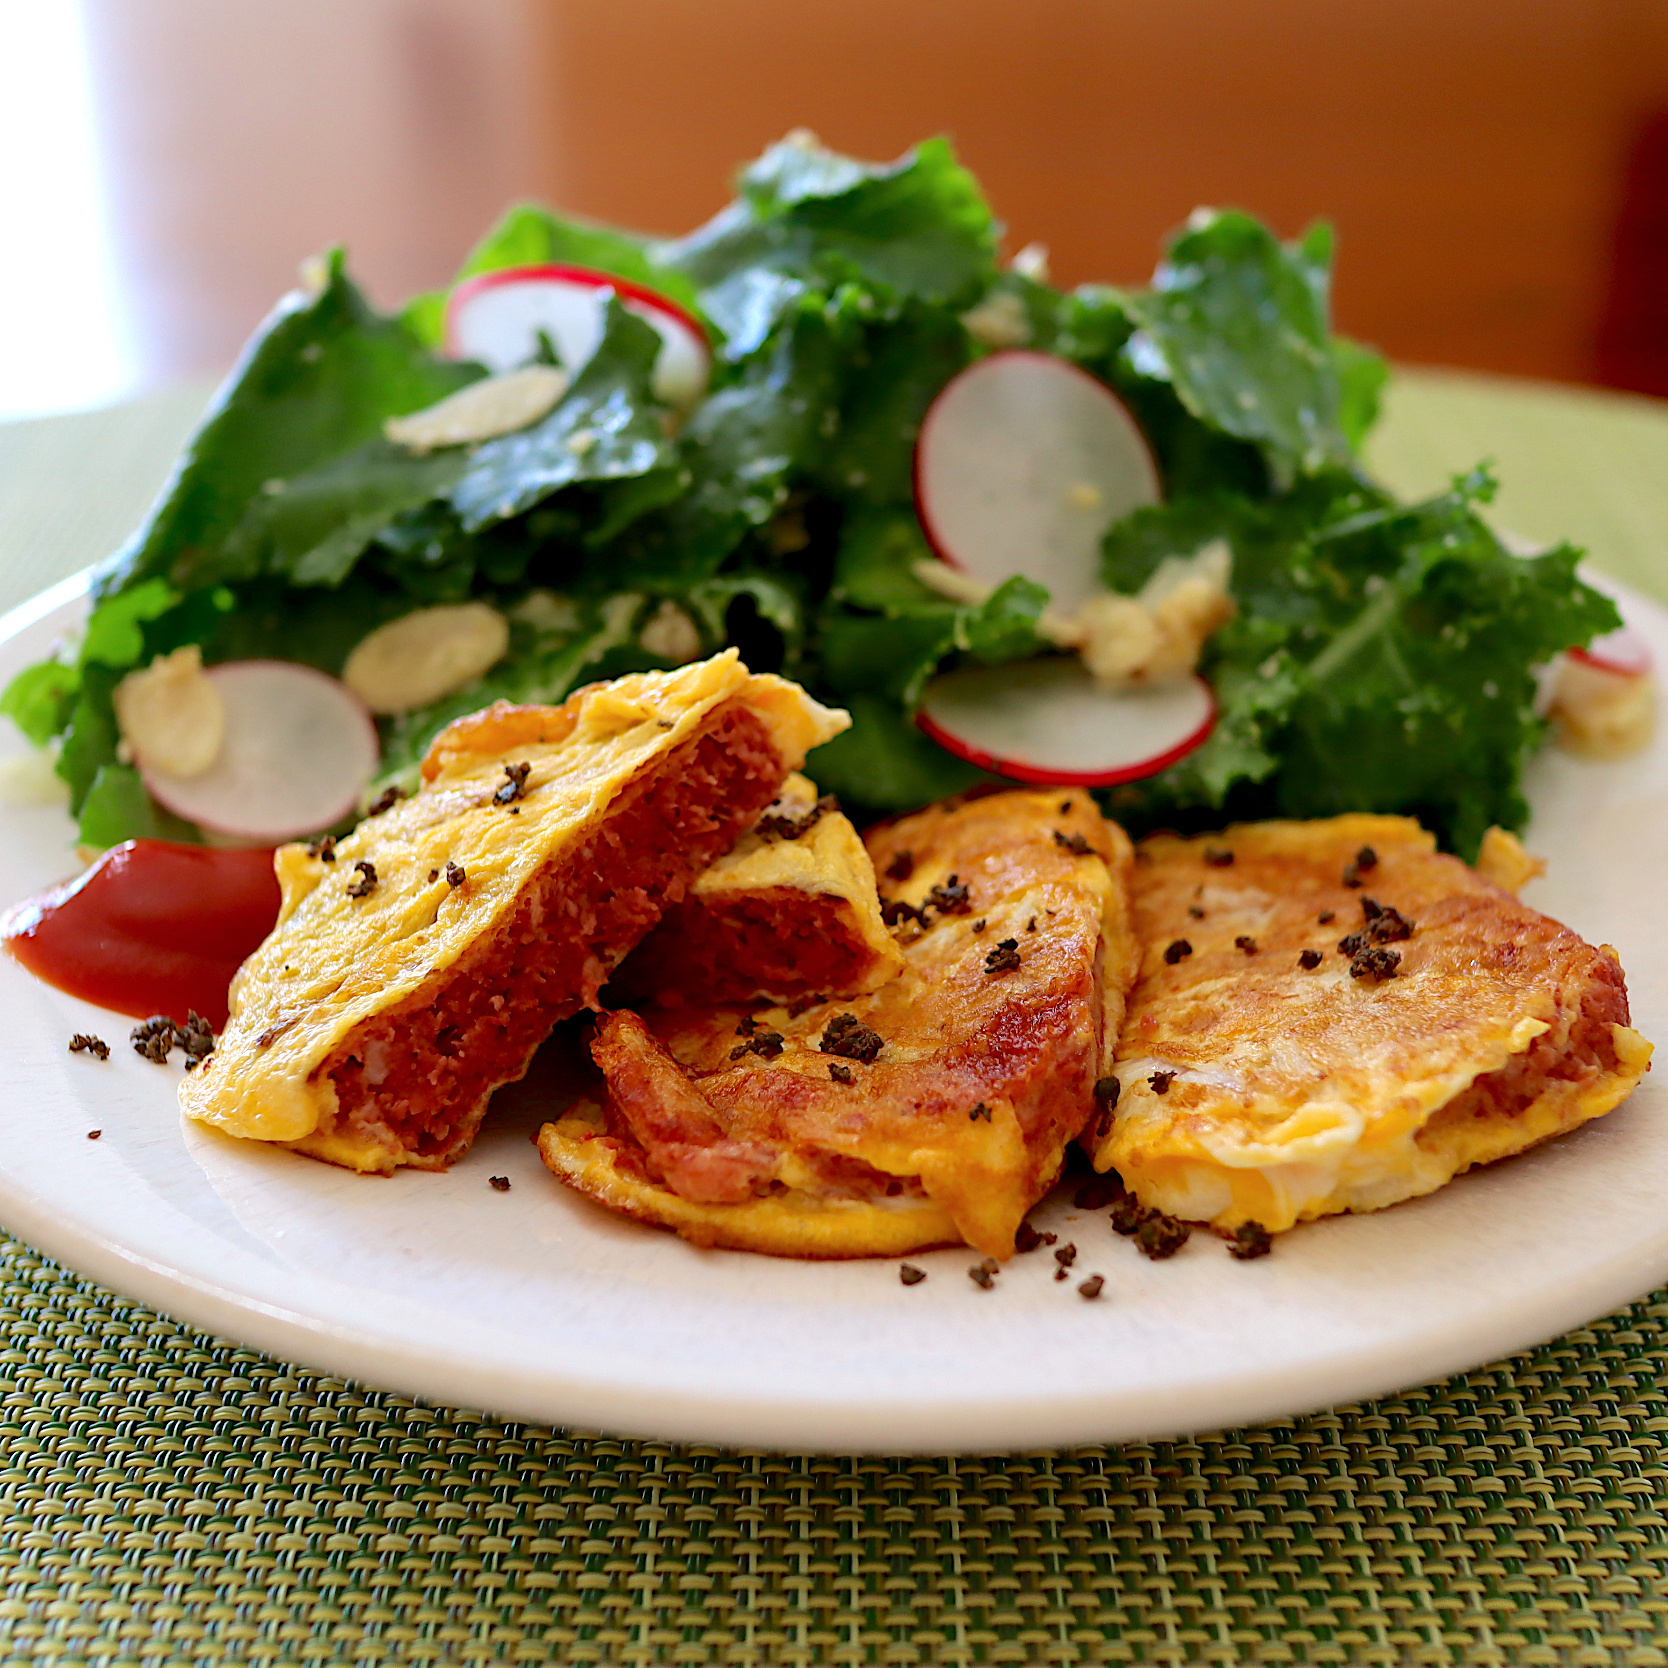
x=150, y=928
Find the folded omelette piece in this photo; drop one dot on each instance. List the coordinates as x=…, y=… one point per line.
x=1333, y=1016
x=418, y=963
x=933, y=1110
x=790, y=910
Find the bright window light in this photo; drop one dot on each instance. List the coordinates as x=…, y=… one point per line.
x=63, y=342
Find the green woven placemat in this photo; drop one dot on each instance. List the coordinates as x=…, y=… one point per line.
x=169, y=1498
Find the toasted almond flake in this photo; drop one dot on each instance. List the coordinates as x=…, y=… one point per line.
x=171, y=714
x=422, y=656
x=670, y=634
x=999, y=321
x=494, y=406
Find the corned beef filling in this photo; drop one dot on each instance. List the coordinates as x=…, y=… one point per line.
x=780, y=943
x=1578, y=1045
x=420, y=1076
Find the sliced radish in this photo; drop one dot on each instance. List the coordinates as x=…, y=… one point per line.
x=496, y=317
x=1023, y=462
x=297, y=752
x=1625, y=652
x=1048, y=721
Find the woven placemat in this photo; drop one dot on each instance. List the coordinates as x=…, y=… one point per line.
x=170, y=1498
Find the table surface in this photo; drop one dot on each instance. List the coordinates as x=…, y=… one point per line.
x=167, y=1497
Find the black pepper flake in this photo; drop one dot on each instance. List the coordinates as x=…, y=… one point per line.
x=515, y=810
x=1375, y=962
x=767, y=1045
x=1073, y=842
x=954, y=897
x=1178, y=949
x=1064, y=1258
x=81, y=1043
x=1031, y=925
x=385, y=801
x=1218, y=857
x=1065, y=807
x=365, y=885
x=94, y=1134
x=323, y=848
x=910, y=1275
x=1160, y=1082
x=980, y=924
x=847, y=1035
x=901, y=867
x=1161, y=1236
x=1098, y=1194
x=895, y=910
x=1107, y=1090
x=154, y=1038
x=456, y=874
x=1327, y=917
x=1250, y=1240
x=1309, y=958
x=983, y=1275
x=1195, y=913
x=790, y=828
x=1352, y=943
x=747, y=1026
x=434, y=875
x=1248, y=945
x=1365, y=860
x=514, y=785
x=1003, y=959
x=1026, y=1238
x=979, y=1111
x=840, y=1074
x=499, y=1184
x=1092, y=1287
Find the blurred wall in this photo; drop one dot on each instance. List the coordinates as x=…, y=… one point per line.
x=1471, y=152
x=239, y=137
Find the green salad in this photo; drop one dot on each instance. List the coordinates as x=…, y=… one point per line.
x=1380, y=660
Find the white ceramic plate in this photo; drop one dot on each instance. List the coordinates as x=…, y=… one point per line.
x=536, y=1305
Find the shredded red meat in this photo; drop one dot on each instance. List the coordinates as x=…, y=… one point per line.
x=420, y=1076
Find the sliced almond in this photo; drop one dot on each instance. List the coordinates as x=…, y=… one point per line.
x=482, y=411
x=171, y=715
x=670, y=634
x=420, y=657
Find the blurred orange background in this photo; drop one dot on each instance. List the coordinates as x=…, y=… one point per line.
x=1497, y=170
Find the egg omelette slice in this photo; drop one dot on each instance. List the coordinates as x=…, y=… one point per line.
x=1333, y=1016
x=790, y=910
x=935, y=1109
x=418, y=963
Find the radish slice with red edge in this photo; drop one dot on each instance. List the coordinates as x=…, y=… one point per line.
x=1048, y=721
x=1625, y=652
x=1022, y=463
x=496, y=317
x=297, y=753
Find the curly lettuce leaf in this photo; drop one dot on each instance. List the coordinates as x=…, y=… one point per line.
x=1236, y=321
x=317, y=381
x=607, y=428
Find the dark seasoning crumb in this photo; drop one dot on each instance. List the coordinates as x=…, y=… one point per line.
x=1107, y=1090
x=1248, y=945
x=1327, y=917
x=94, y=1134
x=324, y=849
x=954, y=897
x=1073, y=842
x=895, y=910
x=1218, y=857
x=514, y=786
x=1160, y=1082
x=1365, y=860
x=385, y=801
x=983, y=1275
x=159, y=1036
x=456, y=875
x=790, y=827
x=979, y=925
x=840, y=1074
x=1003, y=959
x=979, y=1111
x=499, y=1184
x=1250, y=1240
x=81, y=1043
x=1178, y=949
x=910, y=1275
x=1195, y=913
x=1309, y=958
x=901, y=868
x=365, y=885
x=1026, y=1239
x=767, y=1045
x=1092, y=1287
x=847, y=1035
